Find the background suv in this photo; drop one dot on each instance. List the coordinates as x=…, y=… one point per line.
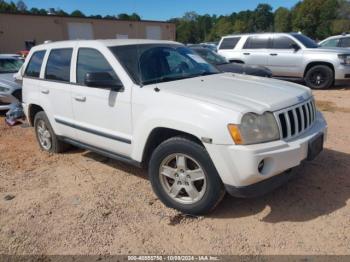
x=289, y=55
x=336, y=41
x=10, y=90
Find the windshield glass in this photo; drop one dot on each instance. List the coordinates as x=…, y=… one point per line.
x=210, y=56
x=306, y=41
x=10, y=65
x=156, y=63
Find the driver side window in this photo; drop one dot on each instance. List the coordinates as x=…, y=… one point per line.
x=91, y=60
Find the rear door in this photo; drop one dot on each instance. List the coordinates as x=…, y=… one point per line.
x=55, y=90
x=255, y=50
x=31, y=77
x=283, y=59
x=102, y=116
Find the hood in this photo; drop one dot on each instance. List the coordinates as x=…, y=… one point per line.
x=7, y=80
x=240, y=93
x=337, y=50
x=245, y=69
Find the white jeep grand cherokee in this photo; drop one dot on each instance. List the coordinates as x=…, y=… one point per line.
x=157, y=104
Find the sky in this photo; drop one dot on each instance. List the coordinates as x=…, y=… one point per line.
x=156, y=9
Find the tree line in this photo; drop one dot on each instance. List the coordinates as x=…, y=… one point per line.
x=315, y=18
x=21, y=7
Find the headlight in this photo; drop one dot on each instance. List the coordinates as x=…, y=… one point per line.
x=4, y=89
x=345, y=59
x=255, y=129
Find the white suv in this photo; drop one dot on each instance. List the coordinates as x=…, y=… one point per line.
x=290, y=56
x=157, y=104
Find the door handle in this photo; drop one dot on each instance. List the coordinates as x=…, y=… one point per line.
x=273, y=54
x=45, y=91
x=246, y=53
x=80, y=98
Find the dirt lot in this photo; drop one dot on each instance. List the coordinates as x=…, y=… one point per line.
x=82, y=203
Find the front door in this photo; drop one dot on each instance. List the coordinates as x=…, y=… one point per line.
x=102, y=116
x=284, y=59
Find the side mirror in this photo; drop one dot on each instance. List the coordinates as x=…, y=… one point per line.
x=295, y=46
x=103, y=80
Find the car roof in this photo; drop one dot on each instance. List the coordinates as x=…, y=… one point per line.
x=265, y=33
x=105, y=42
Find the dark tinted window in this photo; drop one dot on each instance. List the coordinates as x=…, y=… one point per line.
x=58, y=65
x=306, y=41
x=257, y=42
x=229, y=43
x=345, y=42
x=282, y=42
x=34, y=66
x=91, y=60
x=10, y=65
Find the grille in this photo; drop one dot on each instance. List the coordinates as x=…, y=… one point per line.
x=293, y=121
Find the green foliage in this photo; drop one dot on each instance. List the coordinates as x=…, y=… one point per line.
x=282, y=20
x=132, y=17
x=315, y=18
x=77, y=13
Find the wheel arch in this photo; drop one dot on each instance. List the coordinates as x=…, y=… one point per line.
x=33, y=109
x=161, y=134
x=315, y=63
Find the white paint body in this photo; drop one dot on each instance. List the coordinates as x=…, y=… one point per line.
x=201, y=106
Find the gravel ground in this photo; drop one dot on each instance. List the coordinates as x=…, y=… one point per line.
x=82, y=203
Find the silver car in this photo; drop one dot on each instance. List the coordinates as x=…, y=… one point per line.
x=10, y=90
x=291, y=56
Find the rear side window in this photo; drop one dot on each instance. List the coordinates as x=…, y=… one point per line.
x=58, y=65
x=229, y=43
x=91, y=60
x=282, y=42
x=331, y=42
x=345, y=42
x=257, y=42
x=34, y=65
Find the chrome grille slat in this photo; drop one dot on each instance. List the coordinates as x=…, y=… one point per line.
x=289, y=130
x=302, y=118
x=294, y=120
x=307, y=116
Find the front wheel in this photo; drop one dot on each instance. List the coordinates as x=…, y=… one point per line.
x=48, y=141
x=183, y=176
x=319, y=77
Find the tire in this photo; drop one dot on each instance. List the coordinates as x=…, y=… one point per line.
x=319, y=77
x=42, y=125
x=199, y=176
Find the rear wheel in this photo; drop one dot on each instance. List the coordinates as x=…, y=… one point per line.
x=319, y=77
x=48, y=141
x=183, y=176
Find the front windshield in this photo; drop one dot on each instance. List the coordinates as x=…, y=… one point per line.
x=306, y=41
x=10, y=65
x=156, y=63
x=211, y=57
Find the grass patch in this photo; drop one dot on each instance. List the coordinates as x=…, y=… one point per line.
x=331, y=107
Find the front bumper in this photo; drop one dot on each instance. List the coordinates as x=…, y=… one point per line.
x=6, y=100
x=238, y=165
